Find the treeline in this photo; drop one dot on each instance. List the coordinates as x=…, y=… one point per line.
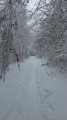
x=14, y=34
x=51, y=40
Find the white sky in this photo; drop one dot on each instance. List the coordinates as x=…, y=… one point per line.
x=32, y=4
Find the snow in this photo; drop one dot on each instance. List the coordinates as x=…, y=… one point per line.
x=1, y=4
x=32, y=92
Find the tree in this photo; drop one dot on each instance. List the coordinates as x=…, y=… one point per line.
x=8, y=26
x=52, y=38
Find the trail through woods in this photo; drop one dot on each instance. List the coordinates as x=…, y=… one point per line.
x=32, y=93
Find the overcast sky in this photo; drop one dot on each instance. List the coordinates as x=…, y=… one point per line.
x=32, y=4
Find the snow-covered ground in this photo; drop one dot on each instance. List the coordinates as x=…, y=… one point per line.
x=31, y=92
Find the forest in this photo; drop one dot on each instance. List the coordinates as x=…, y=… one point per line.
x=33, y=59
x=41, y=32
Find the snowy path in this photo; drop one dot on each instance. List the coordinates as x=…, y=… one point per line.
x=29, y=93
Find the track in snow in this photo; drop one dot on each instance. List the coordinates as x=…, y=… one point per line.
x=30, y=94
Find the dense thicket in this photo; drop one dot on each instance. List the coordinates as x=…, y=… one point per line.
x=52, y=36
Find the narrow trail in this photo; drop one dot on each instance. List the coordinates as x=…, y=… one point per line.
x=29, y=93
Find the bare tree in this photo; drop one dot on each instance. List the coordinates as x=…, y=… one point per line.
x=8, y=23
x=52, y=37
